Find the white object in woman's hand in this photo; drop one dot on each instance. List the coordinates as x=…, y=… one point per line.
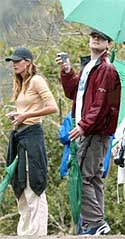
x=11, y=115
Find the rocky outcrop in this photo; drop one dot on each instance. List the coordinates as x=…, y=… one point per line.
x=29, y=22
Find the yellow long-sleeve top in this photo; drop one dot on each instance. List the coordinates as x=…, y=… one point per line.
x=36, y=97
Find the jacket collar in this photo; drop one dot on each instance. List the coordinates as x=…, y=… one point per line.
x=85, y=59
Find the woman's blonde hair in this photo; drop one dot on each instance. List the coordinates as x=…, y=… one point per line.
x=17, y=82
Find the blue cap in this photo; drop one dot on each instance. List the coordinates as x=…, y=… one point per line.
x=103, y=35
x=20, y=54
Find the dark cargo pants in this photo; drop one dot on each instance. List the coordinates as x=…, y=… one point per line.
x=91, y=153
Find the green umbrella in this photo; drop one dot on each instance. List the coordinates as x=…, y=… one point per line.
x=120, y=66
x=74, y=181
x=107, y=16
x=7, y=178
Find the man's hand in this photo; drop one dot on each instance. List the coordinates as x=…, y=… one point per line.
x=65, y=65
x=75, y=133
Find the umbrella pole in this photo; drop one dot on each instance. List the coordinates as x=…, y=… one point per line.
x=113, y=53
x=75, y=229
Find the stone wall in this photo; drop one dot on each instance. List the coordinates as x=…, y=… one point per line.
x=64, y=237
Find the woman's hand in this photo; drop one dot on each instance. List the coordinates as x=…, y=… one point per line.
x=18, y=119
x=115, y=151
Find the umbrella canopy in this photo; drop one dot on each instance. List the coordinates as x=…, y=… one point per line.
x=120, y=66
x=107, y=16
x=74, y=181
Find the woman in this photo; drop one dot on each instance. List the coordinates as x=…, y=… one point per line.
x=33, y=100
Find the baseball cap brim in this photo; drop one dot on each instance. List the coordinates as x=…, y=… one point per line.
x=13, y=58
x=103, y=35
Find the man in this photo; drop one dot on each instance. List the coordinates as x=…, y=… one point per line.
x=96, y=98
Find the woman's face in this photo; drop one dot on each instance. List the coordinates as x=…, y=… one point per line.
x=20, y=67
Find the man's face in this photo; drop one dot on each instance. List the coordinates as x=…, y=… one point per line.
x=98, y=43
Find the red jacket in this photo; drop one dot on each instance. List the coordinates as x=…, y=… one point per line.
x=101, y=99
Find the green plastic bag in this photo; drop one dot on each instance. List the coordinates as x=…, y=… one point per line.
x=74, y=181
x=7, y=178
